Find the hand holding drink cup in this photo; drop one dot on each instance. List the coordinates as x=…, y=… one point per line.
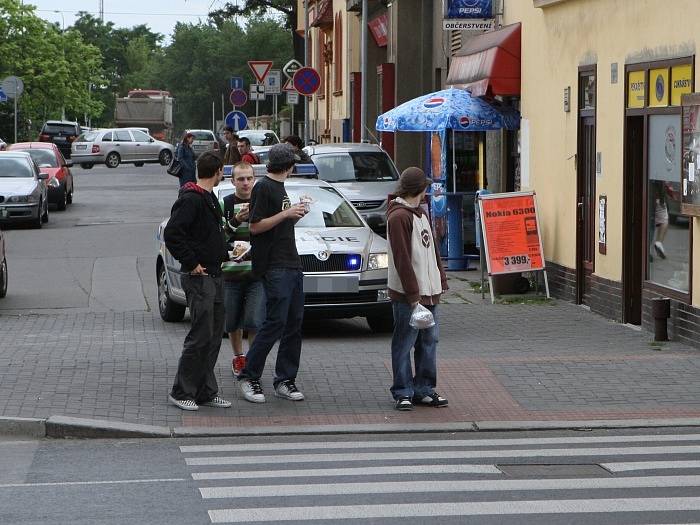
x=306, y=201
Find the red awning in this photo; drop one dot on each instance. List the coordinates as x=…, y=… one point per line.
x=324, y=14
x=489, y=64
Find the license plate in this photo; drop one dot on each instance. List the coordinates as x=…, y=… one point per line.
x=3, y=212
x=60, y=139
x=332, y=284
x=81, y=146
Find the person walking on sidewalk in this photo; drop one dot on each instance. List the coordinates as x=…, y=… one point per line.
x=246, y=152
x=185, y=156
x=243, y=293
x=194, y=236
x=231, y=155
x=416, y=277
x=275, y=259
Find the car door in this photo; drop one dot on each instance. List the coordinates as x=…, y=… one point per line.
x=124, y=144
x=145, y=147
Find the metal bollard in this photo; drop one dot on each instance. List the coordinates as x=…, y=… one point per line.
x=661, y=311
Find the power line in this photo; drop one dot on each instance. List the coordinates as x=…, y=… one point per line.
x=122, y=13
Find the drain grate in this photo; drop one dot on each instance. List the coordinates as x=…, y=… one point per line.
x=553, y=470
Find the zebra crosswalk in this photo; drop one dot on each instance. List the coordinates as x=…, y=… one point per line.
x=617, y=478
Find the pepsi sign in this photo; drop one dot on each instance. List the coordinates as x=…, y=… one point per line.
x=434, y=102
x=464, y=121
x=469, y=9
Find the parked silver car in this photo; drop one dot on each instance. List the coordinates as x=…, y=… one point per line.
x=345, y=264
x=23, y=193
x=204, y=140
x=259, y=137
x=364, y=173
x=119, y=145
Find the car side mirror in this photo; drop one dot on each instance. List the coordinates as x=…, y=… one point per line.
x=69, y=163
x=375, y=221
x=151, y=140
x=43, y=175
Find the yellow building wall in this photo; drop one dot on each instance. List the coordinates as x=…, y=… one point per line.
x=556, y=40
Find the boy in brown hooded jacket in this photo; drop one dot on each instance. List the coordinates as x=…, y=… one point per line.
x=415, y=276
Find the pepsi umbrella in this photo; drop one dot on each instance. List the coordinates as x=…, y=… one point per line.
x=451, y=108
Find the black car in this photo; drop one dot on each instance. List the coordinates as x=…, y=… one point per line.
x=60, y=132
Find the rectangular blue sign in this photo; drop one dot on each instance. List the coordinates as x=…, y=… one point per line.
x=236, y=83
x=469, y=9
x=3, y=97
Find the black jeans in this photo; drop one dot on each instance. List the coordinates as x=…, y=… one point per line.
x=284, y=294
x=195, y=377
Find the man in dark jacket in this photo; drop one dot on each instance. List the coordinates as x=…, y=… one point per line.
x=194, y=236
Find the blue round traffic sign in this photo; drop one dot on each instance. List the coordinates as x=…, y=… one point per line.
x=237, y=120
x=238, y=97
x=307, y=81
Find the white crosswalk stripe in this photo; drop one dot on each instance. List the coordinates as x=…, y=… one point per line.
x=438, y=478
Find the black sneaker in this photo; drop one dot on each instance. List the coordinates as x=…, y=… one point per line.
x=404, y=403
x=430, y=400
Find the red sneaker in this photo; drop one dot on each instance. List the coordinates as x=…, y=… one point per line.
x=237, y=364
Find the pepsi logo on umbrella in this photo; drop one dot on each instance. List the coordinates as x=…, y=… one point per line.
x=434, y=102
x=464, y=121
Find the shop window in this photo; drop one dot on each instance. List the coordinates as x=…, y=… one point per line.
x=668, y=237
x=587, y=91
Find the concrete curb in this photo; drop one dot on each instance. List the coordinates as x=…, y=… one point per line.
x=72, y=427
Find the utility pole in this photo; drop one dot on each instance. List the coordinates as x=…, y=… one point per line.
x=102, y=10
x=63, y=46
x=363, y=73
x=306, y=60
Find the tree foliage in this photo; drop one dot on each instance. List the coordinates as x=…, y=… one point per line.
x=257, y=8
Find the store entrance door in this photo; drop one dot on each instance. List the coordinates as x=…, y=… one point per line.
x=633, y=223
x=585, y=209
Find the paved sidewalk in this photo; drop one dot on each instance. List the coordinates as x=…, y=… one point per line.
x=504, y=362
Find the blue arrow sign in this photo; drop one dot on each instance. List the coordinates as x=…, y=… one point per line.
x=236, y=82
x=3, y=97
x=237, y=120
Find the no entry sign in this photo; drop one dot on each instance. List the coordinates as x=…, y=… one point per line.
x=238, y=97
x=307, y=81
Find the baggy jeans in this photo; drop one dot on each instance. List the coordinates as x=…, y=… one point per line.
x=284, y=294
x=405, y=337
x=195, y=377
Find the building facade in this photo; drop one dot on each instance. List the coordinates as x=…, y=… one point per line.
x=601, y=143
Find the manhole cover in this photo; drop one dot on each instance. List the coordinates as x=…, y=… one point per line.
x=550, y=470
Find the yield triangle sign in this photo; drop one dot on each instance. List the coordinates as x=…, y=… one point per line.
x=288, y=86
x=260, y=69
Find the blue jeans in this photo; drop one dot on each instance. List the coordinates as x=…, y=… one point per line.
x=284, y=297
x=425, y=356
x=245, y=305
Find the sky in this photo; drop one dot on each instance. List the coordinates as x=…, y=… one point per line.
x=160, y=15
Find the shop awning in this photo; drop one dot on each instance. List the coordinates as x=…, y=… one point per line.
x=324, y=14
x=489, y=64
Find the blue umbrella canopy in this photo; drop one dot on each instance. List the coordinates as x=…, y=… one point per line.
x=448, y=109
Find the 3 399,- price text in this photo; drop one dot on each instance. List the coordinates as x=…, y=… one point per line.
x=517, y=262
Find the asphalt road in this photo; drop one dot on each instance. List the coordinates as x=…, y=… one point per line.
x=99, y=254
x=606, y=477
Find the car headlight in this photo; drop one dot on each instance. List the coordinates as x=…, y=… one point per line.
x=20, y=198
x=378, y=261
x=54, y=183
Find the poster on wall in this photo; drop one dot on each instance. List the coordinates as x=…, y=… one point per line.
x=690, y=175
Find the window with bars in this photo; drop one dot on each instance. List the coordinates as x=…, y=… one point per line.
x=338, y=55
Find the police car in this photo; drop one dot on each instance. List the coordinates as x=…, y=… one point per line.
x=344, y=262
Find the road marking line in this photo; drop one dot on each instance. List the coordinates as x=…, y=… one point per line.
x=397, y=487
x=649, y=465
x=247, y=447
x=70, y=483
x=576, y=506
x=361, y=471
x=450, y=454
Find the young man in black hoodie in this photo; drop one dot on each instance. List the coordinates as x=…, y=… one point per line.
x=194, y=235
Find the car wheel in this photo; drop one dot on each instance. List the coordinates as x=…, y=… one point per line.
x=170, y=311
x=3, y=278
x=138, y=164
x=165, y=157
x=69, y=197
x=37, y=223
x=113, y=160
x=62, y=200
x=87, y=165
x=381, y=323
x=45, y=215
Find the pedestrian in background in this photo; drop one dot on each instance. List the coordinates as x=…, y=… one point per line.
x=244, y=297
x=194, y=236
x=298, y=146
x=246, y=151
x=231, y=155
x=185, y=156
x=276, y=260
x=416, y=277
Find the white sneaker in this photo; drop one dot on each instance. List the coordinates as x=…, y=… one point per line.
x=288, y=390
x=184, y=404
x=659, y=248
x=218, y=402
x=252, y=391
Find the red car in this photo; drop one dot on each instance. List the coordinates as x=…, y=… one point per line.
x=50, y=160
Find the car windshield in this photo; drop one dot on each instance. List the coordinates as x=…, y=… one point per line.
x=203, y=135
x=15, y=167
x=260, y=138
x=88, y=136
x=44, y=158
x=361, y=166
x=66, y=129
x=327, y=208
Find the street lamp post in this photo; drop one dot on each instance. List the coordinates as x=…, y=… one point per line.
x=63, y=49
